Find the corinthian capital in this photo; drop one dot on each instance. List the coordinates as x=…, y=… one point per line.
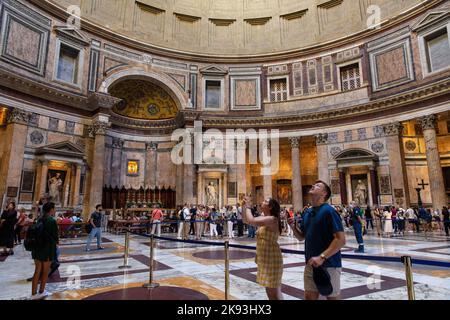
x=321, y=138
x=393, y=129
x=18, y=116
x=98, y=128
x=295, y=142
x=428, y=122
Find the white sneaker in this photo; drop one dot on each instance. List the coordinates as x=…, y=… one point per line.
x=44, y=294
x=36, y=296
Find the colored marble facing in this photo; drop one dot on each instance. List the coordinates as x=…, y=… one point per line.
x=196, y=271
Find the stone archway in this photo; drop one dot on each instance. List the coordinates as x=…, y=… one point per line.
x=173, y=89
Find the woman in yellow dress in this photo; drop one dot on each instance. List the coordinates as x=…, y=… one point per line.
x=268, y=252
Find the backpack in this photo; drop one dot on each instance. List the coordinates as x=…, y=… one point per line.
x=35, y=236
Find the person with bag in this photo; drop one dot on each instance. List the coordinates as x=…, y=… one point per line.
x=43, y=240
x=19, y=226
x=8, y=222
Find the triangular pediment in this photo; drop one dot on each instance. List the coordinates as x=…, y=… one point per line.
x=214, y=70
x=431, y=18
x=64, y=148
x=72, y=34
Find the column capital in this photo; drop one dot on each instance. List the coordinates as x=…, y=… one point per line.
x=295, y=142
x=117, y=143
x=428, y=122
x=98, y=128
x=321, y=138
x=393, y=129
x=152, y=146
x=19, y=116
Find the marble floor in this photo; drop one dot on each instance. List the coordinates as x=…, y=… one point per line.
x=196, y=271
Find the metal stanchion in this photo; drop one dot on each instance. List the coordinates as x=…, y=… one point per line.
x=127, y=249
x=227, y=270
x=406, y=260
x=151, y=284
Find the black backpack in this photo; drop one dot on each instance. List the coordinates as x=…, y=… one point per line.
x=35, y=236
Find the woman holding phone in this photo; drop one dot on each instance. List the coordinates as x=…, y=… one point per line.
x=268, y=252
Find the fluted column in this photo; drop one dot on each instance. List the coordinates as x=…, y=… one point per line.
x=41, y=179
x=116, y=162
x=322, y=157
x=188, y=170
x=151, y=164
x=374, y=185
x=241, y=168
x=343, y=186
x=267, y=178
x=297, y=191
x=98, y=132
x=76, y=186
x=437, y=187
x=15, y=139
x=397, y=167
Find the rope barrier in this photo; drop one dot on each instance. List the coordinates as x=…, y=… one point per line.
x=291, y=251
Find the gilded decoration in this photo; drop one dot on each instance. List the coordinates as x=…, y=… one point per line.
x=143, y=100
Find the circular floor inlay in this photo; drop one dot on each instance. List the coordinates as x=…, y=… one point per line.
x=159, y=293
x=220, y=254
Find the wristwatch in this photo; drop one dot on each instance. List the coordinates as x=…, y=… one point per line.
x=324, y=258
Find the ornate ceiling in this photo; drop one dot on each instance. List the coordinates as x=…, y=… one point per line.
x=143, y=100
x=237, y=27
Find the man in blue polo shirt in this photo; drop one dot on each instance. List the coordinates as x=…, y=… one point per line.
x=324, y=236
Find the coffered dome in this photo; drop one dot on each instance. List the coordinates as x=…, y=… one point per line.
x=236, y=27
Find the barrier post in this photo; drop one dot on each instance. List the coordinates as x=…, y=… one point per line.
x=151, y=284
x=127, y=249
x=227, y=270
x=406, y=260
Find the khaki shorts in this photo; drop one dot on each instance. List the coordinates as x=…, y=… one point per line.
x=335, y=275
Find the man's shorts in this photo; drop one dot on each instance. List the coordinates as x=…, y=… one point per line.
x=335, y=276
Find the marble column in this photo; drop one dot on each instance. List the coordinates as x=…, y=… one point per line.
x=225, y=189
x=41, y=181
x=437, y=186
x=241, y=168
x=397, y=167
x=116, y=162
x=322, y=157
x=188, y=170
x=374, y=184
x=297, y=191
x=76, y=186
x=15, y=140
x=267, y=178
x=151, y=160
x=98, y=131
x=200, y=192
x=343, y=186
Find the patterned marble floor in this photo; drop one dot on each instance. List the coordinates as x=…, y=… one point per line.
x=197, y=271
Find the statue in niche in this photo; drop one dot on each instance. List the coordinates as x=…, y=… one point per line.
x=211, y=195
x=55, y=187
x=360, y=193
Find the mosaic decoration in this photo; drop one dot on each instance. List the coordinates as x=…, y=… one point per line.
x=143, y=100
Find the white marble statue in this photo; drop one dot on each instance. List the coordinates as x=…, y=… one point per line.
x=211, y=195
x=54, y=186
x=361, y=193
